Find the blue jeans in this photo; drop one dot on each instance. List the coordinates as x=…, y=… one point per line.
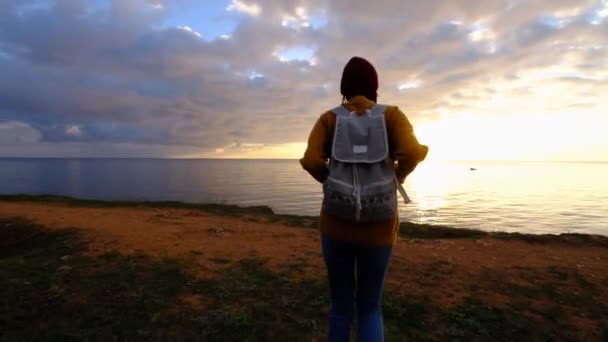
x=356, y=278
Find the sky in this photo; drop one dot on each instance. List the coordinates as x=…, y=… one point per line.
x=479, y=80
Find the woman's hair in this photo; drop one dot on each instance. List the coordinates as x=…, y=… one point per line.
x=359, y=78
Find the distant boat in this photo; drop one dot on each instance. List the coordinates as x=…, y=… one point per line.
x=473, y=169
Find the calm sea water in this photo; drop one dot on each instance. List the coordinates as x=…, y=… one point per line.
x=531, y=197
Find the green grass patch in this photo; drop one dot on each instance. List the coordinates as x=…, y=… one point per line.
x=220, y=260
x=544, y=304
x=220, y=209
x=298, y=265
x=407, y=319
x=474, y=321
x=51, y=290
x=110, y=255
x=253, y=303
x=427, y=231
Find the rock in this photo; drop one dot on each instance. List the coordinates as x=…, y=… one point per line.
x=64, y=268
x=155, y=317
x=217, y=230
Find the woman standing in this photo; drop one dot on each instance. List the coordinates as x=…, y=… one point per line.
x=357, y=234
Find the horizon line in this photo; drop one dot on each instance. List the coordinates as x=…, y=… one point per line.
x=211, y=158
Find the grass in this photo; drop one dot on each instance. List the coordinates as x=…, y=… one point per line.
x=220, y=209
x=51, y=290
x=474, y=321
x=45, y=295
x=220, y=260
x=260, y=213
x=252, y=303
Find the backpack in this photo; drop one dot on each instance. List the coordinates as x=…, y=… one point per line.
x=361, y=185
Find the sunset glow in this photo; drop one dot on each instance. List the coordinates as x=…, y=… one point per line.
x=500, y=80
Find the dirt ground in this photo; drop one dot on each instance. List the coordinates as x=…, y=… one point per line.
x=442, y=269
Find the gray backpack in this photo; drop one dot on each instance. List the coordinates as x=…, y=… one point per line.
x=361, y=186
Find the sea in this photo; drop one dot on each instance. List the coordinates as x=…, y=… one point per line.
x=526, y=197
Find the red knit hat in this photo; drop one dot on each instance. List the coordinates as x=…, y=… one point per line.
x=359, y=78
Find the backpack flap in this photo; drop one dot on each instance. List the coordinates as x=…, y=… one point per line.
x=360, y=138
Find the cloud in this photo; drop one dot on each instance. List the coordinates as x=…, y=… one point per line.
x=137, y=73
x=409, y=85
x=189, y=30
x=252, y=9
x=15, y=132
x=73, y=130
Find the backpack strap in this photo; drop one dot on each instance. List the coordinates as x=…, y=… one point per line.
x=341, y=111
x=378, y=109
x=406, y=198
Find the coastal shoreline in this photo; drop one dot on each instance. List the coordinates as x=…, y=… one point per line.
x=173, y=270
x=406, y=229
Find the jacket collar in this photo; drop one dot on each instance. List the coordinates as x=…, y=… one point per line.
x=360, y=101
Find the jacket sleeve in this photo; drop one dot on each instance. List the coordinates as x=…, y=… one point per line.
x=404, y=145
x=315, y=157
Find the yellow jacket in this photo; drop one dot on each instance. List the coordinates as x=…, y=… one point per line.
x=404, y=149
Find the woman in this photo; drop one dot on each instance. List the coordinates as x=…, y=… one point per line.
x=357, y=254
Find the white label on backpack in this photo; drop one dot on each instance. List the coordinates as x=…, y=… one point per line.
x=359, y=149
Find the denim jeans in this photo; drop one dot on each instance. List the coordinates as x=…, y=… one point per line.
x=356, y=279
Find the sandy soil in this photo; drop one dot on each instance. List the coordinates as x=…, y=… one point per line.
x=443, y=269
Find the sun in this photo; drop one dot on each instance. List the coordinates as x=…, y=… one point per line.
x=551, y=136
